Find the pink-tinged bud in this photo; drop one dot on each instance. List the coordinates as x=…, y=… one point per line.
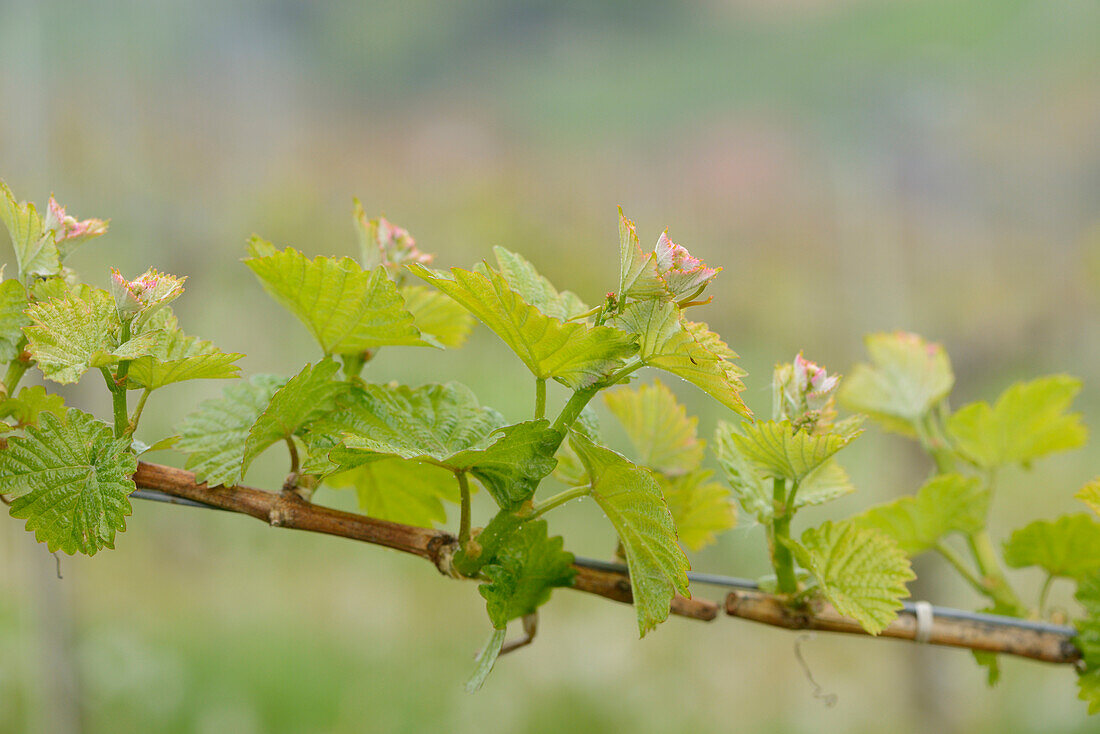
x=802, y=392
x=144, y=295
x=683, y=274
x=68, y=229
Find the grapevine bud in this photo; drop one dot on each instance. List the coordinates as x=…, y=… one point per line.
x=144, y=295
x=803, y=393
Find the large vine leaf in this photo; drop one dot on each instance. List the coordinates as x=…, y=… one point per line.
x=686, y=349
x=348, y=310
x=69, y=478
x=1088, y=641
x=401, y=491
x=658, y=427
x=1068, y=546
x=30, y=403
x=79, y=331
x=947, y=503
x=574, y=354
x=907, y=377
x=525, y=569
x=535, y=288
x=35, y=251
x=1029, y=420
x=700, y=507
x=13, y=317
x=440, y=319
x=306, y=397
x=632, y=500
x=178, y=357
x=861, y=572
x=214, y=436
x=782, y=452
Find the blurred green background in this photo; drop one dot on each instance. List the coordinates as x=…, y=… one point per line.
x=854, y=165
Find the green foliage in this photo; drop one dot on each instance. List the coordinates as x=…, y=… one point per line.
x=178, y=357
x=69, y=478
x=35, y=251
x=947, y=503
x=574, y=354
x=861, y=572
x=400, y=491
x=29, y=404
x=13, y=317
x=781, y=452
x=442, y=321
x=348, y=310
x=701, y=508
x=1088, y=641
x=1029, y=420
x=746, y=480
x=1068, y=546
x=632, y=500
x=1090, y=495
x=214, y=436
x=523, y=573
x=536, y=289
x=662, y=434
x=906, y=379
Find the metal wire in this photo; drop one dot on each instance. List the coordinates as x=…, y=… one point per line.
x=729, y=582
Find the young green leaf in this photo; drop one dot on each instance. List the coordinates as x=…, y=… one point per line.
x=907, y=378
x=536, y=289
x=440, y=319
x=947, y=503
x=214, y=436
x=827, y=482
x=306, y=397
x=638, y=277
x=1088, y=641
x=401, y=491
x=1090, y=495
x=743, y=477
x=782, y=452
x=1068, y=546
x=13, y=317
x=69, y=478
x=525, y=569
x=862, y=572
x=178, y=357
x=1029, y=420
x=686, y=349
x=348, y=310
x=35, y=251
x=632, y=500
x=701, y=509
x=574, y=354
x=659, y=428
x=79, y=331
x=30, y=403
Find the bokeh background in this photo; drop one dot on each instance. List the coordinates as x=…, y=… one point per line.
x=855, y=165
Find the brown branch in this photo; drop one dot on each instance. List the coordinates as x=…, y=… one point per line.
x=974, y=635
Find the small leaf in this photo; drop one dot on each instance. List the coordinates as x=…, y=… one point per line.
x=907, y=378
x=659, y=428
x=13, y=317
x=638, y=277
x=214, y=436
x=1090, y=495
x=632, y=500
x=862, y=572
x=825, y=483
x=947, y=503
x=574, y=354
x=485, y=660
x=536, y=289
x=35, y=251
x=1029, y=420
x=700, y=508
x=783, y=453
x=1068, y=546
x=348, y=310
x=1088, y=641
x=178, y=357
x=686, y=349
x=69, y=479
x=401, y=491
x=439, y=318
x=29, y=405
x=525, y=569
x=743, y=477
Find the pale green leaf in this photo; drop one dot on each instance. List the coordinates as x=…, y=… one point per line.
x=746, y=480
x=69, y=478
x=1029, y=420
x=401, y=491
x=178, y=357
x=30, y=403
x=535, y=288
x=13, y=317
x=781, y=452
x=214, y=436
x=632, y=500
x=700, y=507
x=574, y=354
x=825, y=483
x=35, y=251
x=907, y=377
x=861, y=572
x=524, y=570
x=1088, y=641
x=439, y=318
x=638, y=276
x=1090, y=495
x=483, y=665
x=306, y=397
x=686, y=349
x=1068, y=546
x=659, y=428
x=348, y=310
x=947, y=503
